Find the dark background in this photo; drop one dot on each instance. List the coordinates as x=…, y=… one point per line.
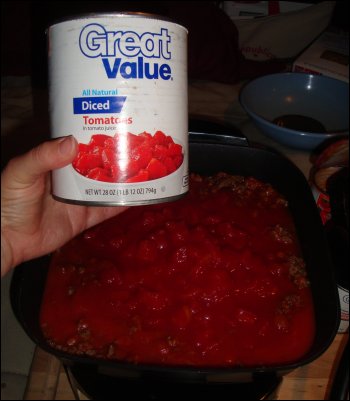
x=23, y=25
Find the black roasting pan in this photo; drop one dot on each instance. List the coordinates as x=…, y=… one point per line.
x=214, y=148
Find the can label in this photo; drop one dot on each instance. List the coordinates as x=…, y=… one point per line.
x=344, y=309
x=118, y=84
x=322, y=202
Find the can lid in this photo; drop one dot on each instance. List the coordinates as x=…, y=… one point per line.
x=120, y=14
x=335, y=154
x=332, y=159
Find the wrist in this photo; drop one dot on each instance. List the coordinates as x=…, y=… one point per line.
x=6, y=255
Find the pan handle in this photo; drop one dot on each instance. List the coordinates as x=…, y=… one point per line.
x=212, y=131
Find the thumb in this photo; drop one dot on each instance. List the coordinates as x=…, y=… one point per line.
x=49, y=155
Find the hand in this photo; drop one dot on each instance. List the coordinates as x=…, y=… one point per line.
x=32, y=222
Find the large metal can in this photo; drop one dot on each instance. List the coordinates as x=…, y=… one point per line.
x=118, y=84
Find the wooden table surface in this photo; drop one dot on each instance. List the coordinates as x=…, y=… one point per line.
x=48, y=380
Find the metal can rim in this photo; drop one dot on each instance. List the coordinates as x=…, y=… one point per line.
x=120, y=203
x=122, y=14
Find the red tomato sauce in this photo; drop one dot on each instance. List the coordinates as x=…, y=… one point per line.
x=128, y=158
x=213, y=279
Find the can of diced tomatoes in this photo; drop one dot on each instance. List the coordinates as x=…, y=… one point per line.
x=118, y=84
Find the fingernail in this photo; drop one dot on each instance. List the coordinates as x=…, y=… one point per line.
x=66, y=145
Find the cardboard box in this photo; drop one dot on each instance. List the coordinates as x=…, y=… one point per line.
x=252, y=9
x=277, y=29
x=328, y=55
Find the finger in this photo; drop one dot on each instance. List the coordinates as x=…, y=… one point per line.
x=48, y=156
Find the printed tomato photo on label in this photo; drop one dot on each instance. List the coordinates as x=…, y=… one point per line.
x=128, y=158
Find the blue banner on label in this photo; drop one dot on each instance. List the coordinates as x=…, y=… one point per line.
x=95, y=105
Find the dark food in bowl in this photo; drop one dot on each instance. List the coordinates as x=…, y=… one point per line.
x=299, y=123
x=214, y=279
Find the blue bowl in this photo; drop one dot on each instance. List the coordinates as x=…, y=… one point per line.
x=318, y=97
